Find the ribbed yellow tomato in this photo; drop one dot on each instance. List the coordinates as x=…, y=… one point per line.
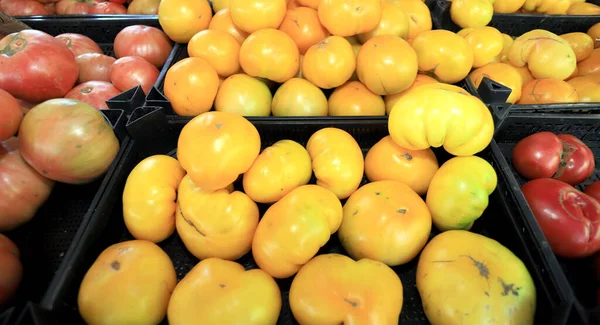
x=149, y=198
x=421, y=79
x=293, y=230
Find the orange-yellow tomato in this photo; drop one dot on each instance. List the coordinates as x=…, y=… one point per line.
x=582, y=44
x=549, y=7
x=369, y=292
x=291, y=4
x=594, y=33
x=471, y=13
x=222, y=21
x=244, y=95
x=182, y=82
x=443, y=54
x=390, y=100
x=354, y=99
x=342, y=18
x=293, y=230
x=218, y=48
x=388, y=161
x=329, y=63
x=303, y=26
x=385, y=221
x=591, y=65
x=525, y=74
x=486, y=43
x=270, y=54
x=182, y=19
x=314, y=4
x=583, y=8
x=507, y=43
x=299, y=97
x=218, y=223
x=386, y=65
x=251, y=16
x=149, y=198
x=129, y=283
x=279, y=169
x=218, y=291
x=586, y=88
x=337, y=161
x=216, y=147
x=419, y=16
x=393, y=22
x=548, y=91
x=459, y=192
x=502, y=73
x=218, y=5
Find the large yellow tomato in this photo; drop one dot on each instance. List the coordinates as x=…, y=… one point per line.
x=254, y=15
x=459, y=192
x=218, y=292
x=385, y=221
x=343, y=18
x=436, y=115
x=279, y=169
x=217, y=47
x=243, y=95
x=299, y=97
x=486, y=43
x=421, y=79
x=216, y=147
x=329, y=63
x=354, y=99
x=129, y=283
x=466, y=278
x=471, y=13
x=149, y=198
x=502, y=73
x=393, y=22
x=388, y=161
x=182, y=19
x=337, y=161
x=182, y=82
x=293, y=230
x=334, y=289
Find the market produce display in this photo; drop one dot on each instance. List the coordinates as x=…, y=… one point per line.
x=79, y=7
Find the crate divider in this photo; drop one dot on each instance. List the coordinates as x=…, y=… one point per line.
x=127, y=100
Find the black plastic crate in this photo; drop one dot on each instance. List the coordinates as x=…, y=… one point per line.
x=500, y=221
x=6, y=316
x=516, y=126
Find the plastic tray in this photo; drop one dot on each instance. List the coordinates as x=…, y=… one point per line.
x=515, y=127
x=6, y=316
x=500, y=222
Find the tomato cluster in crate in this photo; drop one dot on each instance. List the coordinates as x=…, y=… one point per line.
x=25, y=8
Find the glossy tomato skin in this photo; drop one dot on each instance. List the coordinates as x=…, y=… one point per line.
x=23, y=8
x=10, y=115
x=567, y=216
x=35, y=66
x=68, y=141
x=79, y=44
x=108, y=8
x=132, y=71
x=148, y=42
x=94, y=93
x=75, y=7
x=593, y=190
x=11, y=269
x=94, y=67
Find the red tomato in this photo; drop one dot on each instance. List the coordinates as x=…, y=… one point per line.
x=94, y=67
x=22, y=189
x=51, y=7
x=75, y=7
x=593, y=190
x=11, y=269
x=118, y=1
x=23, y=8
x=148, y=42
x=569, y=218
x=94, y=93
x=132, y=71
x=79, y=44
x=10, y=115
x=108, y=8
x=563, y=157
x=35, y=66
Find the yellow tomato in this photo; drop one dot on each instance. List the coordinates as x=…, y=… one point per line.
x=438, y=115
x=471, y=13
x=182, y=19
x=251, y=16
x=342, y=18
x=222, y=21
x=586, y=88
x=354, y=99
x=462, y=271
x=149, y=198
x=216, y=147
x=337, y=161
x=507, y=6
x=390, y=100
x=458, y=193
x=334, y=289
x=419, y=16
x=182, y=82
x=299, y=97
x=293, y=230
x=486, y=43
x=218, y=48
x=220, y=292
x=129, y=283
x=385, y=221
x=279, y=169
x=244, y=95
x=329, y=63
x=393, y=22
x=502, y=73
x=218, y=5
x=507, y=41
x=581, y=43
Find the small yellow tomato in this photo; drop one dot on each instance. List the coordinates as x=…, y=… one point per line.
x=419, y=16
x=243, y=95
x=182, y=81
x=390, y=100
x=217, y=47
x=182, y=19
x=299, y=97
x=251, y=16
x=393, y=22
x=507, y=41
x=329, y=63
x=471, y=13
x=355, y=99
x=486, y=42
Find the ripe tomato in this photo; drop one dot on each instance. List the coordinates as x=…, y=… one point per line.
x=507, y=41
x=10, y=115
x=27, y=75
x=148, y=42
x=219, y=5
x=354, y=99
x=567, y=216
x=222, y=21
x=385, y=221
x=108, y=8
x=461, y=270
x=419, y=16
x=343, y=19
x=525, y=75
x=593, y=190
x=329, y=63
x=79, y=44
x=51, y=7
x=583, y=9
x=563, y=157
x=303, y=26
x=582, y=44
x=244, y=95
x=590, y=65
x=251, y=16
x=299, y=97
x=337, y=161
x=94, y=93
x=594, y=33
x=218, y=48
x=182, y=19
x=502, y=73
x=23, y=8
x=67, y=141
x=143, y=7
x=216, y=147
x=586, y=88
x=444, y=54
x=471, y=13
x=252, y=295
x=182, y=82
x=393, y=22
x=548, y=91
x=388, y=161
x=11, y=269
x=313, y=4
x=390, y=100
x=22, y=190
x=132, y=71
x=94, y=67
x=386, y=65
x=115, y=1
x=292, y=230
x=369, y=291
x=270, y=54
x=75, y=7
x=486, y=43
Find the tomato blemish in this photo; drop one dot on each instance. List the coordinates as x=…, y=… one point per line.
x=352, y=303
x=508, y=288
x=115, y=265
x=482, y=268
